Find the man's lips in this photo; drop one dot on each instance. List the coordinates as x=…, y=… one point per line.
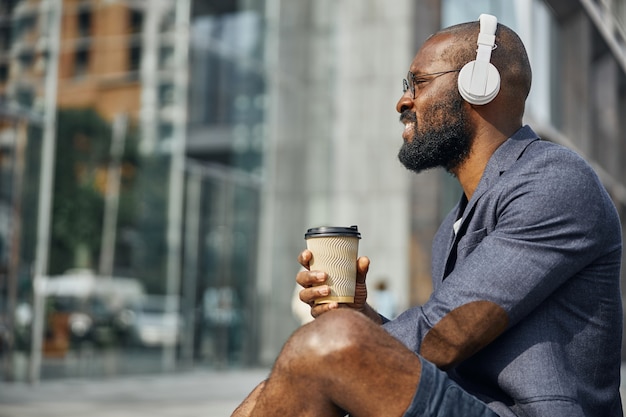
x=409, y=131
x=409, y=120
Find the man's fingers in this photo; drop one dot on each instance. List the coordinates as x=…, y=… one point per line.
x=362, y=266
x=320, y=309
x=308, y=279
x=309, y=295
x=304, y=258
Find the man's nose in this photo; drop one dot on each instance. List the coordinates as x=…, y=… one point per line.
x=405, y=102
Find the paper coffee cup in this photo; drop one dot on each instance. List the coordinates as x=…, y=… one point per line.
x=335, y=251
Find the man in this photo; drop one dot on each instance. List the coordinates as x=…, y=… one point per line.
x=525, y=318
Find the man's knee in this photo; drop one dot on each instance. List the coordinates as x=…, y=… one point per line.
x=334, y=336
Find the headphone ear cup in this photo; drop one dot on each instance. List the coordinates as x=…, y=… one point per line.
x=479, y=82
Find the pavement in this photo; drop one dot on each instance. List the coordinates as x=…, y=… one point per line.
x=190, y=394
x=197, y=393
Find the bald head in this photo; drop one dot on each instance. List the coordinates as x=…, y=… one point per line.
x=509, y=57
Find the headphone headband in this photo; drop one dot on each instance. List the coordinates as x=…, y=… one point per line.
x=487, y=37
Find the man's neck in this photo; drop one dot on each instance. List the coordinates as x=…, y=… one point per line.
x=471, y=170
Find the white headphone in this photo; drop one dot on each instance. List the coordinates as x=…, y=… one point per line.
x=479, y=80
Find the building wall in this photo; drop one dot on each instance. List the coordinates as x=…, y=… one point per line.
x=334, y=137
x=95, y=69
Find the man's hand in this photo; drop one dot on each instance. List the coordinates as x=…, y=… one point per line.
x=314, y=283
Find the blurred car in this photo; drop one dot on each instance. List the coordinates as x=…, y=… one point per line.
x=153, y=324
x=88, y=319
x=83, y=307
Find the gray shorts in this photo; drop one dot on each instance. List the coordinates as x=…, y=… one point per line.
x=438, y=396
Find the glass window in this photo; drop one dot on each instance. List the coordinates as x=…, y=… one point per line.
x=136, y=21
x=134, y=56
x=81, y=62
x=84, y=17
x=4, y=72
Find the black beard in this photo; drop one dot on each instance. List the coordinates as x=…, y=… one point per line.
x=446, y=144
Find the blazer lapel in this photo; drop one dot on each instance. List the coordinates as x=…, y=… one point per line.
x=501, y=160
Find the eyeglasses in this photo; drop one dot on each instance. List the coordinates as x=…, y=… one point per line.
x=406, y=85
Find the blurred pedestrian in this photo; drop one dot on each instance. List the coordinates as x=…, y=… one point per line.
x=382, y=299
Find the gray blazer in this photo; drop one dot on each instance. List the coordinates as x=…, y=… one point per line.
x=540, y=238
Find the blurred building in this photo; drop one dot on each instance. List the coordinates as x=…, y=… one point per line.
x=196, y=141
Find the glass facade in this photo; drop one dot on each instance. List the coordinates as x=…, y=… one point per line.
x=226, y=141
x=145, y=259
